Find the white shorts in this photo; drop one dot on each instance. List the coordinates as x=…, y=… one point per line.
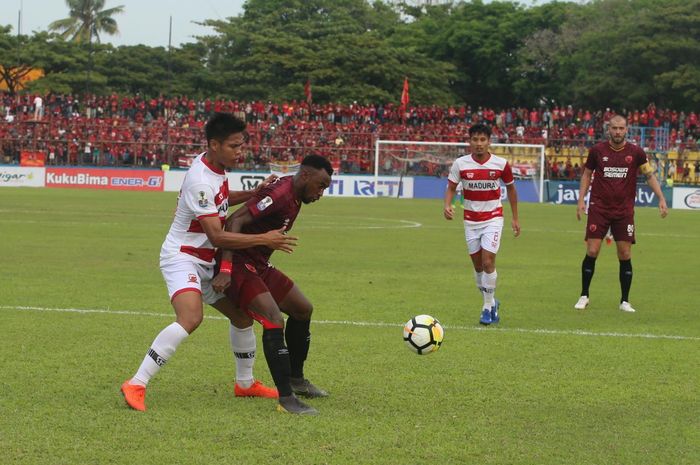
x=184, y=275
x=485, y=236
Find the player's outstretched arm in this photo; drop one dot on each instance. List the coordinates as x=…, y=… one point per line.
x=448, y=209
x=236, y=197
x=513, y=200
x=275, y=239
x=656, y=188
x=583, y=190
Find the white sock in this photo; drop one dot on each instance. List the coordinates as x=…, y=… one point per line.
x=163, y=347
x=478, y=277
x=243, y=347
x=489, y=284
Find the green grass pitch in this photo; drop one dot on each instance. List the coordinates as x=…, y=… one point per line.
x=81, y=299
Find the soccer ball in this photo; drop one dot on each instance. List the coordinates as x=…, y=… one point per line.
x=423, y=334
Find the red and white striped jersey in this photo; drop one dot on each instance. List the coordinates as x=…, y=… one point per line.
x=480, y=186
x=204, y=192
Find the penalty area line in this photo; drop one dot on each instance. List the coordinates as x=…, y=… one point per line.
x=554, y=332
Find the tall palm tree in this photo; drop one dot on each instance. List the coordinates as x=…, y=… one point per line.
x=86, y=20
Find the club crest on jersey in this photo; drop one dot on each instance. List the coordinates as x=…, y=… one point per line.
x=628, y=159
x=264, y=203
x=191, y=278
x=251, y=268
x=202, y=199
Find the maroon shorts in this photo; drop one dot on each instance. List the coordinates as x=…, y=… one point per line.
x=620, y=224
x=248, y=282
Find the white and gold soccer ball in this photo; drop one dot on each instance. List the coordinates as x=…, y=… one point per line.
x=423, y=334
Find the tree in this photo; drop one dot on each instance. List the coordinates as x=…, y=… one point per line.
x=20, y=55
x=86, y=20
x=344, y=48
x=620, y=54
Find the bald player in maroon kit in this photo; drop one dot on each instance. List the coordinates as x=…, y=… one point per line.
x=613, y=165
x=264, y=292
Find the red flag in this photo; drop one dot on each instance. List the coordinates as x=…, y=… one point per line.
x=404, y=94
x=307, y=91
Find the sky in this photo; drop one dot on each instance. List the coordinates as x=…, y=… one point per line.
x=143, y=21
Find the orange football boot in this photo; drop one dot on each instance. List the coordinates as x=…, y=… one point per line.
x=134, y=395
x=257, y=389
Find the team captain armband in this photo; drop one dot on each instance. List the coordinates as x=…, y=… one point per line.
x=646, y=169
x=225, y=267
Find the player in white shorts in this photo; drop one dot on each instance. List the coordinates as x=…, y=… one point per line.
x=187, y=261
x=479, y=173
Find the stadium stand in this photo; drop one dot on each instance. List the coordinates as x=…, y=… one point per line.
x=116, y=130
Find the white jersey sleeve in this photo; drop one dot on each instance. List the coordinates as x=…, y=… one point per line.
x=200, y=199
x=454, y=173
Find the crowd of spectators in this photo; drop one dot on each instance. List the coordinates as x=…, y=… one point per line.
x=134, y=130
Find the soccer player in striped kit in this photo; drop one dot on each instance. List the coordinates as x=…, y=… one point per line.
x=480, y=174
x=187, y=261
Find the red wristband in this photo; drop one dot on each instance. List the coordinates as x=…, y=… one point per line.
x=225, y=267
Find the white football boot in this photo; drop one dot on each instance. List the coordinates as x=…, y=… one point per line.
x=626, y=307
x=583, y=303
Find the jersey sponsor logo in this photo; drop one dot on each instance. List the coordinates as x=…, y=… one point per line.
x=482, y=185
x=251, y=268
x=630, y=230
x=202, y=199
x=470, y=175
x=628, y=159
x=605, y=158
x=492, y=174
x=615, y=172
x=264, y=203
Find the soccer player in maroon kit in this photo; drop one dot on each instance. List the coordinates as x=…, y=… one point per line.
x=264, y=292
x=615, y=165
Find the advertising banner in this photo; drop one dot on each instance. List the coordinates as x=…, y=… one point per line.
x=341, y=186
x=96, y=178
x=15, y=176
x=567, y=192
x=686, y=198
x=32, y=158
x=365, y=186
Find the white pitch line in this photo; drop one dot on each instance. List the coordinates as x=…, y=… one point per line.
x=555, y=332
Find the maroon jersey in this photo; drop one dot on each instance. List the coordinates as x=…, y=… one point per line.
x=272, y=207
x=614, y=183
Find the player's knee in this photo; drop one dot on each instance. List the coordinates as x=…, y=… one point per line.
x=190, y=322
x=304, y=312
x=592, y=251
x=240, y=319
